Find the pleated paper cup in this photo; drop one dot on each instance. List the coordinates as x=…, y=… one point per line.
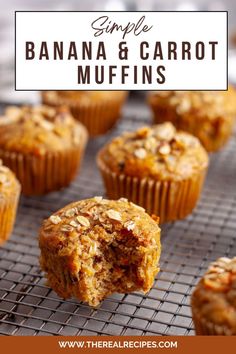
x=8, y=208
x=162, y=113
x=205, y=327
x=170, y=200
x=98, y=117
x=50, y=172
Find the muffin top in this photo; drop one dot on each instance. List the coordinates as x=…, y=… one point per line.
x=211, y=104
x=8, y=181
x=159, y=152
x=215, y=295
x=39, y=129
x=98, y=219
x=83, y=97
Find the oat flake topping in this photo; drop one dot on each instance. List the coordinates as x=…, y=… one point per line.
x=159, y=151
x=4, y=174
x=37, y=129
x=221, y=274
x=81, y=216
x=83, y=221
x=55, y=219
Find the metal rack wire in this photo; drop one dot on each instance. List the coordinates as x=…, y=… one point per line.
x=29, y=307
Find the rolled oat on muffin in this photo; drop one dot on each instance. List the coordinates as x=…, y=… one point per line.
x=156, y=167
x=9, y=197
x=42, y=145
x=209, y=115
x=97, y=110
x=214, y=299
x=95, y=247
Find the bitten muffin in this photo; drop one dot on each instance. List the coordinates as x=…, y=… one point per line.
x=209, y=115
x=157, y=167
x=42, y=145
x=95, y=247
x=9, y=196
x=214, y=299
x=97, y=110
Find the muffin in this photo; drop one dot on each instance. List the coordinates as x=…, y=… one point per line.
x=9, y=196
x=214, y=299
x=156, y=167
x=97, y=110
x=209, y=115
x=95, y=247
x=42, y=145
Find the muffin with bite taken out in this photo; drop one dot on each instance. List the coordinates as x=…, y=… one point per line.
x=95, y=247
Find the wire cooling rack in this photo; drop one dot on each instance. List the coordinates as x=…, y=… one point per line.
x=29, y=307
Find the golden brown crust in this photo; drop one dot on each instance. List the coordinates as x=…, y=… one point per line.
x=108, y=214
x=208, y=104
x=38, y=130
x=159, y=152
x=43, y=146
x=8, y=182
x=157, y=167
x=214, y=299
x=209, y=115
x=105, y=246
x=97, y=110
x=84, y=97
x=9, y=196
